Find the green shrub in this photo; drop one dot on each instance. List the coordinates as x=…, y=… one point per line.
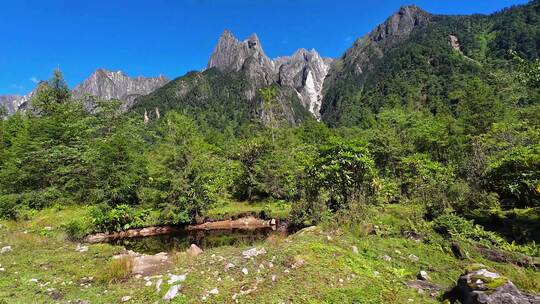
x=172, y=215
x=121, y=217
x=78, y=228
x=9, y=206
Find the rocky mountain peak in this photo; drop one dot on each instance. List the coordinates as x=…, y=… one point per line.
x=395, y=29
x=232, y=54
x=107, y=85
x=304, y=71
x=401, y=23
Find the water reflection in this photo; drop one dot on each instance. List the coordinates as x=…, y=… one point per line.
x=182, y=239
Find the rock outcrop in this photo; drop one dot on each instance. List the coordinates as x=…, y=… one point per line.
x=481, y=286
x=304, y=71
x=108, y=85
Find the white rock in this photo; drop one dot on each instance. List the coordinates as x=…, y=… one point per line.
x=423, y=275
x=245, y=271
x=171, y=293
x=125, y=298
x=214, y=291
x=148, y=283
x=2, y=269
x=5, y=249
x=176, y=278
x=81, y=248
x=488, y=274
x=33, y=280
x=355, y=249
x=229, y=266
x=158, y=285
x=274, y=278
x=253, y=252
x=48, y=228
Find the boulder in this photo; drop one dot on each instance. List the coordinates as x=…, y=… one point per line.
x=194, y=250
x=481, y=286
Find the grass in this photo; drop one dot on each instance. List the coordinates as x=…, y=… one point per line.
x=326, y=269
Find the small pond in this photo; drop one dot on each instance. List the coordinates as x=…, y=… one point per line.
x=182, y=239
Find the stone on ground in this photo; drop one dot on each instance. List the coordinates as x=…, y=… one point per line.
x=194, y=250
x=171, y=293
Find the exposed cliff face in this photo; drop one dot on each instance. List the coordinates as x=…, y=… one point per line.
x=304, y=71
x=108, y=85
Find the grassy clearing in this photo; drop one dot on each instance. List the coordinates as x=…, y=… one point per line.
x=317, y=265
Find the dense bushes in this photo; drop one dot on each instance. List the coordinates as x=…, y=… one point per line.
x=121, y=217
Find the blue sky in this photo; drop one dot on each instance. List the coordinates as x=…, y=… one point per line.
x=169, y=37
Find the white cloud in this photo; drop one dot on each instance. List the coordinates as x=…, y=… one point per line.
x=34, y=79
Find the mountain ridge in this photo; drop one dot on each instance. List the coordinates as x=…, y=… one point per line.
x=102, y=84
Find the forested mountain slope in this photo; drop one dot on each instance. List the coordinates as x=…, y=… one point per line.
x=419, y=60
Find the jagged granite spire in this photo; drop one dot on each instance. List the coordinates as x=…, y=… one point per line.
x=248, y=56
x=304, y=71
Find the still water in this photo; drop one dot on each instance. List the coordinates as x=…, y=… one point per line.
x=182, y=239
